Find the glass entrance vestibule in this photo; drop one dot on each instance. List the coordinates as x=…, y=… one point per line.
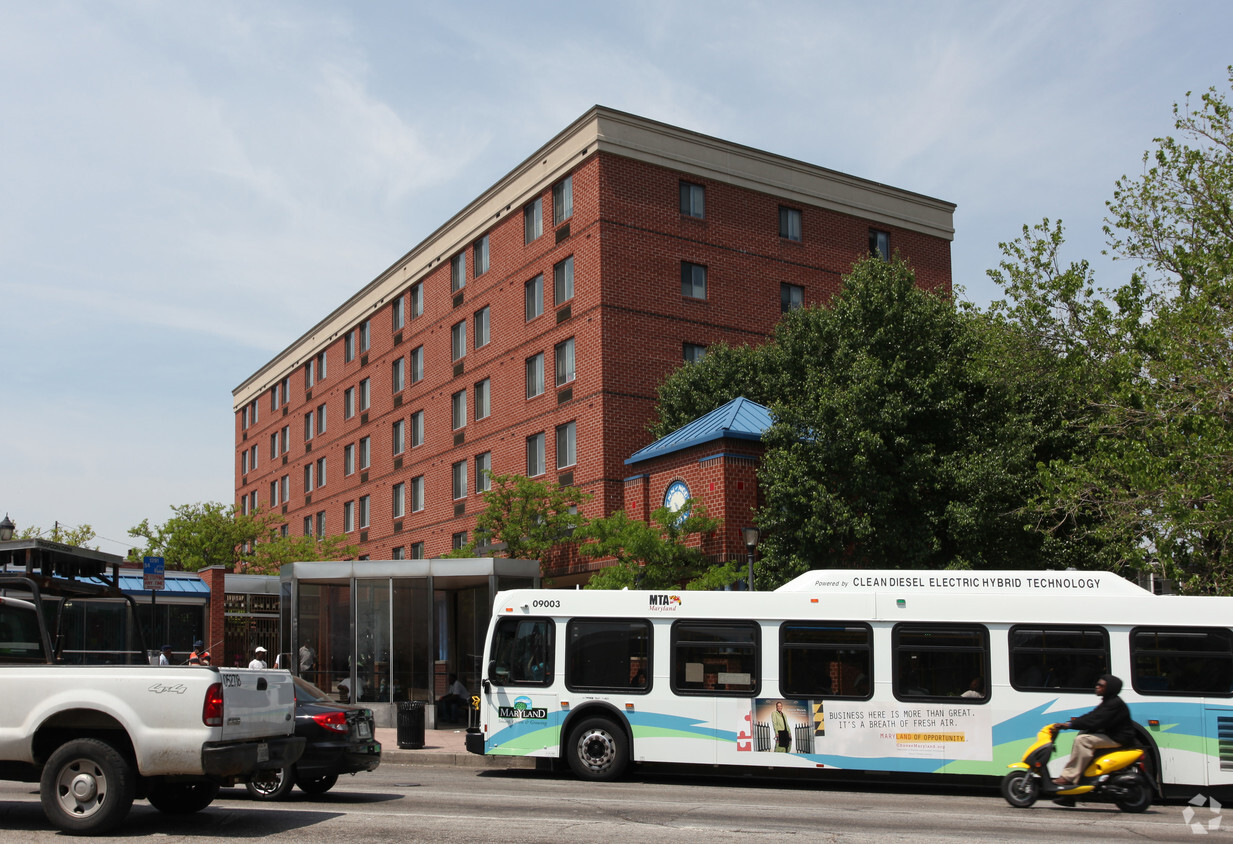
x=382, y=631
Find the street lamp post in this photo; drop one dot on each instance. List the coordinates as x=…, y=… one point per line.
x=7, y=528
x=751, y=542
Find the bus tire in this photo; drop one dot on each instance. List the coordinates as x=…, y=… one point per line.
x=87, y=787
x=597, y=750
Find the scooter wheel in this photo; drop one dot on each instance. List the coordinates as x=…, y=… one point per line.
x=1020, y=788
x=1138, y=794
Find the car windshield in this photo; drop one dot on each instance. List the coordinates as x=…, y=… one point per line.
x=305, y=690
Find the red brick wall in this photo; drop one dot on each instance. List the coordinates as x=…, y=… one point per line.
x=629, y=322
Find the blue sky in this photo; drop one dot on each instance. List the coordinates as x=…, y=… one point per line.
x=186, y=187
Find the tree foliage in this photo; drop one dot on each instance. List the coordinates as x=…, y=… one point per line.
x=214, y=534
x=1149, y=361
x=80, y=536
x=655, y=555
x=525, y=518
x=906, y=434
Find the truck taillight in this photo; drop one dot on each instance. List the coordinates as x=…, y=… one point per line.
x=212, y=709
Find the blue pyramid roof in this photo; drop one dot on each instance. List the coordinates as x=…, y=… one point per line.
x=739, y=419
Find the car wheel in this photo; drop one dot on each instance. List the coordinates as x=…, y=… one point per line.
x=182, y=798
x=316, y=785
x=87, y=787
x=271, y=785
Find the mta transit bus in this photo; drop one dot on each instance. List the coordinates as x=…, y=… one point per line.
x=904, y=672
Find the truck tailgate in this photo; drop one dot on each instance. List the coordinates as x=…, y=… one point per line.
x=257, y=703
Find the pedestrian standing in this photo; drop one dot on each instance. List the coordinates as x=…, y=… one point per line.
x=258, y=658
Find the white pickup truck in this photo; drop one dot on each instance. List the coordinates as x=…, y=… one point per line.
x=96, y=737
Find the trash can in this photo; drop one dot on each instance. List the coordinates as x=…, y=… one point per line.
x=411, y=724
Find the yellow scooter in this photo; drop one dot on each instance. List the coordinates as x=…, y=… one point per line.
x=1117, y=775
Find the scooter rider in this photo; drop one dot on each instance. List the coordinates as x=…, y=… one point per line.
x=1108, y=725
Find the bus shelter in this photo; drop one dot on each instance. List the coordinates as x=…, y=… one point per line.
x=383, y=631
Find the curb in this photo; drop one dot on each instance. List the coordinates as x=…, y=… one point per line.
x=399, y=756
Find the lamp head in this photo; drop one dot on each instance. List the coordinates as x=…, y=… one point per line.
x=7, y=528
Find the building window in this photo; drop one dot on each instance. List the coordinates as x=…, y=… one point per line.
x=417, y=364
x=397, y=313
x=348, y=516
x=321, y=524
x=365, y=500
x=308, y=525
x=693, y=280
x=252, y=461
x=398, y=436
x=533, y=220
x=693, y=200
x=481, y=327
x=483, y=398
x=534, y=294
x=349, y=347
x=565, y=362
x=365, y=335
x=349, y=459
x=417, y=300
x=567, y=445
x=535, y=455
x=274, y=437
x=458, y=272
x=458, y=409
x=535, y=375
x=791, y=297
x=458, y=341
x=459, y=474
x=563, y=281
x=417, y=494
x=365, y=394
x=308, y=433
x=244, y=462
x=481, y=256
x=399, y=553
x=789, y=223
x=398, y=374
x=562, y=200
x=320, y=471
x=308, y=478
x=348, y=402
x=399, y=495
x=365, y=452
x=483, y=472
x=879, y=244
x=459, y=540
x=417, y=550
x=320, y=419
x=417, y=428
x=285, y=436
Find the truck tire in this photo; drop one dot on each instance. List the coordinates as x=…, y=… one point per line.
x=274, y=784
x=182, y=798
x=316, y=785
x=87, y=787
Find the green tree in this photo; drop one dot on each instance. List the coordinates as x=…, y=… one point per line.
x=80, y=536
x=695, y=389
x=525, y=518
x=1152, y=360
x=655, y=555
x=214, y=534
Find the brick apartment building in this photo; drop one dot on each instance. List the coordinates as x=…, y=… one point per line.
x=528, y=333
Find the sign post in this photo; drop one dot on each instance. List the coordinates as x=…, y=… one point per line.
x=152, y=569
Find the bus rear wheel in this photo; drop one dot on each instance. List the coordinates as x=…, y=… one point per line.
x=597, y=750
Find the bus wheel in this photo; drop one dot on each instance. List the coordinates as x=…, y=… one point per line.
x=597, y=750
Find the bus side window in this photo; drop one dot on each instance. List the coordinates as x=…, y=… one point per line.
x=941, y=662
x=522, y=652
x=1182, y=660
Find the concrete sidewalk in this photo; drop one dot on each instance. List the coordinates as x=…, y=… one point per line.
x=442, y=747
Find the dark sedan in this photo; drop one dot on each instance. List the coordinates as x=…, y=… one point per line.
x=339, y=740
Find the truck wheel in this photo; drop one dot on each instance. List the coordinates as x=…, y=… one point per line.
x=316, y=785
x=597, y=750
x=86, y=787
x=182, y=798
x=271, y=785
